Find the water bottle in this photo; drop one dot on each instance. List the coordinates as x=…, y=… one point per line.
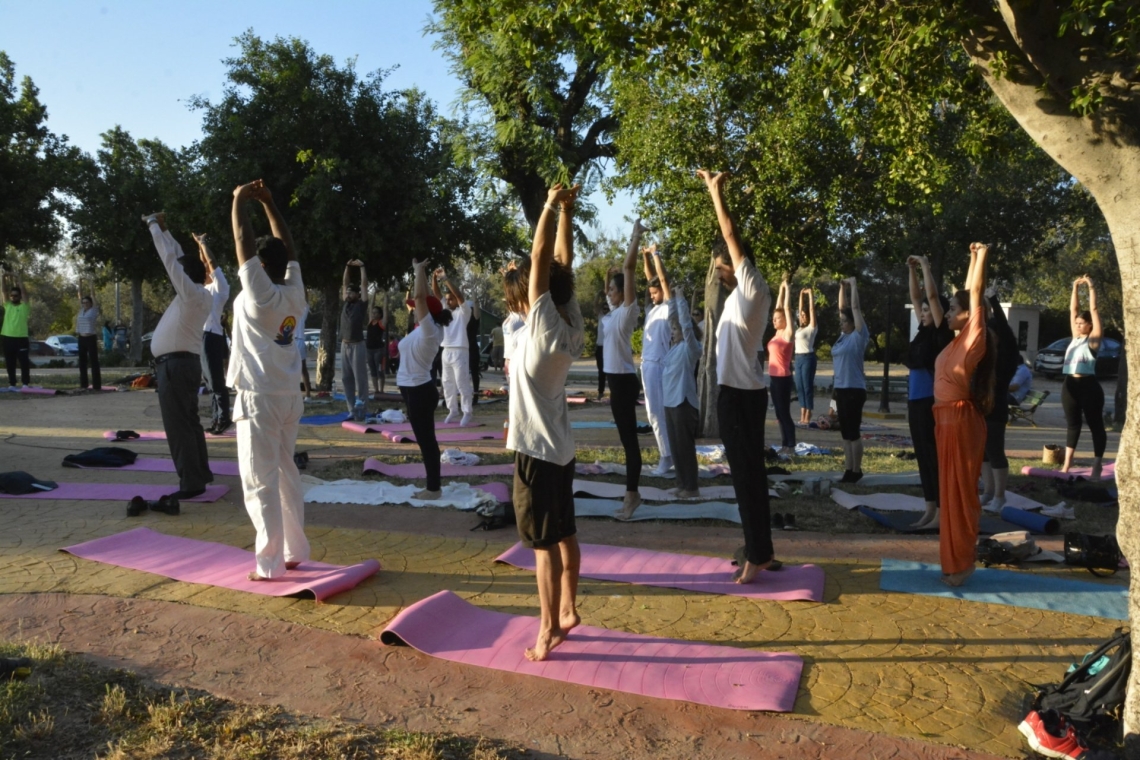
x=358, y=411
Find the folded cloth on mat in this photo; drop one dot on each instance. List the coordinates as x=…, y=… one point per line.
x=20, y=483
x=617, y=490
x=117, y=492
x=1107, y=473
x=707, y=575
x=105, y=457
x=458, y=495
x=871, y=479
x=446, y=626
x=157, y=464
x=459, y=457
x=902, y=522
x=677, y=510
x=713, y=452
x=416, y=469
x=804, y=449
x=1010, y=587
x=193, y=561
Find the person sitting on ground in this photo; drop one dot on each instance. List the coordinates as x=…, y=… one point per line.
x=177, y=348
x=264, y=371
x=87, y=329
x=1021, y=384
x=539, y=432
x=679, y=383
x=353, y=354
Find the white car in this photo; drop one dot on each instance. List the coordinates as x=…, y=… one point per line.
x=64, y=345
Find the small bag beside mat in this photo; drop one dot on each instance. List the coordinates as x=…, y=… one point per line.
x=1094, y=553
x=1052, y=454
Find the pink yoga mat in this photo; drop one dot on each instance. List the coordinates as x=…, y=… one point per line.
x=617, y=490
x=160, y=435
x=143, y=464
x=38, y=391
x=185, y=559
x=395, y=427
x=1108, y=472
x=501, y=491
x=466, y=435
x=416, y=470
x=116, y=492
x=447, y=627
x=708, y=575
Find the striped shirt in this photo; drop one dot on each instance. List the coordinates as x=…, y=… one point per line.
x=87, y=321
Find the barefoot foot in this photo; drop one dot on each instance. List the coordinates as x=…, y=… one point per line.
x=546, y=643
x=426, y=495
x=568, y=621
x=748, y=573
x=957, y=579
x=253, y=576
x=629, y=505
x=928, y=520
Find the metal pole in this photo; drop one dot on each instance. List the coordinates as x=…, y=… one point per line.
x=884, y=395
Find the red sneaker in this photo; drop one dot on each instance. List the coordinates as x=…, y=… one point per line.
x=1057, y=739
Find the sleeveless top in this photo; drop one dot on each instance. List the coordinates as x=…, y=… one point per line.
x=779, y=357
x=1079, y=358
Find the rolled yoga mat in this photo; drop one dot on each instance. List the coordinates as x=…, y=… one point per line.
x=116, y=492
x=416, y=469
x=1031, y=521
x=464, y=435
x=706, y=575
x=901, y=521
x=160, y=435
x=396, y=427
x=185, y=559
x=447, y=627
x=1010, y=587
x=325, y=419
x=145, y=464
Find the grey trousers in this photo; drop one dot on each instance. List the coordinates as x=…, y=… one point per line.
x=681, y=423
x=354, y=372
x=178, y=379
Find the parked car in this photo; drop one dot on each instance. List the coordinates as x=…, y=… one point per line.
x=1051, y=359
x=312, y=339
x=64, y=345
x=40, y=348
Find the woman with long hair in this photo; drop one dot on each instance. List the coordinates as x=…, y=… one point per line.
x=621, y=374
x=805, y=362
x=780, y=368
x=933, y=335
x=1081, y=394
x=963, y=392
x=850, y=382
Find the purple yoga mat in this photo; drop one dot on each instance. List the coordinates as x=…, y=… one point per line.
x=416, y=470
x=501, y=491
x=447, y=627
x=465, y=435
x=1108, y=472
x=708, y=575
x=395, y=427
x=38, y=391
x=160, y=435
x=185, y=559
x=116, y=492
x=144, y=464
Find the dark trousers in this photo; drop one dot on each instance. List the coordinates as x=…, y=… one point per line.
x=996, y=421
x=1080, y=396
x=681, y=424
x=89, y=354
x=601, y=373
x=920, y=416
x=740, y=414
x=214, y=371
x=781, y=389
x=421, y=401
x=16, y=352
x=624, y=389
x=178, y=380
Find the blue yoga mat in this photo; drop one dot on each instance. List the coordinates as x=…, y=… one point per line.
x=326, y=419
x=587, y=424
x=1031, y=521
x=1010, y=587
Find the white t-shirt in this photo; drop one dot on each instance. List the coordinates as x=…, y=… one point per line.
x=417, y=352
x=511, y=326
x=741, y=329
x=220, y=290
x=267, y=317
x=180, y=328
x=455, y=334
x=617, y=330
x=656, y=336
x=678, y=374
x=805, y=339
x=547, y=346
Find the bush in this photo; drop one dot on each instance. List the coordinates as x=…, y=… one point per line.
x=635, y=340
x=823, y=351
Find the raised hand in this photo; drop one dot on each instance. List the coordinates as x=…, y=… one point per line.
x=562, y=195
x=246, y=191
x=416, y=264
x=711, y=179
x=260, y=192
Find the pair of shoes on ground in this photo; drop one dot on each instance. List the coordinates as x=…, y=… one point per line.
x=168, y=505
x=851, y=476
x=1049, y=734
x=218, y=428
x=784, y=521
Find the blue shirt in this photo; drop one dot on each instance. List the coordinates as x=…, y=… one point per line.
x=1023, y=378
x=920, y=384
x=847, y=357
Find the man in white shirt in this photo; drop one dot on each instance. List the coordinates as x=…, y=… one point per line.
x=214, y=346
x=539, y=431
x=87, y=329
x=655, y=342
x=264, y=371
x=458, y=390
x=177, y=346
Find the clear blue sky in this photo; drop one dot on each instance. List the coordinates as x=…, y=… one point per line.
x=135, y=63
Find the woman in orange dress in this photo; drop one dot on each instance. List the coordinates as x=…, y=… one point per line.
x=963, y=393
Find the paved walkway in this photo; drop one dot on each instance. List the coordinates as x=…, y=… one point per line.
x=912, y=676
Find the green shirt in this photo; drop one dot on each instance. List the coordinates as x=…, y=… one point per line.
x=15, y=320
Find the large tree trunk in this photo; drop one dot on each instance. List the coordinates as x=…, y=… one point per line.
x=1103, y=153
x=1120, y=400
x=326, y=354
x=138, y=315
x=708, y=388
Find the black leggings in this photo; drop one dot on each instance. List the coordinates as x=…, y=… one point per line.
x=781, y=389
x=996, y=421
x=623, y=403
x=740, y=415
x=601, y=372
x=16, y=352
x=920, y=415
x=421, y=401
x=849, y=408
x=1084, y=396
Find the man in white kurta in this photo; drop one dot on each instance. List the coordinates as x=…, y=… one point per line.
x=265, y=372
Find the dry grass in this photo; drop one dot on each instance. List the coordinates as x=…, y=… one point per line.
x=71, y=708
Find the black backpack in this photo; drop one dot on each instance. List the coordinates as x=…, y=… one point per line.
x=104, y=456
x=1091, y=696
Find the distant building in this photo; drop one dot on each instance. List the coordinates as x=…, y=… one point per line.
x=1024, y=320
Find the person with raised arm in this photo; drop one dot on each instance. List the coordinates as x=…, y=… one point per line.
x=265, y=372
x=963, y=393
x=14, y=331
x=539, y=432
x=177, y=348
x=87, y=331
x=933, y=335
x=655, y=343
x=850, y=382
x=417, y=353
x=621, y=373
x=214, y=347
x=679, y=384
x=995, y=463
x=376, y=343
x=780, y=349
x=743, y=400
x=458, y=391
x=1081, y=394
x=353, y=349
x=806, y=360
